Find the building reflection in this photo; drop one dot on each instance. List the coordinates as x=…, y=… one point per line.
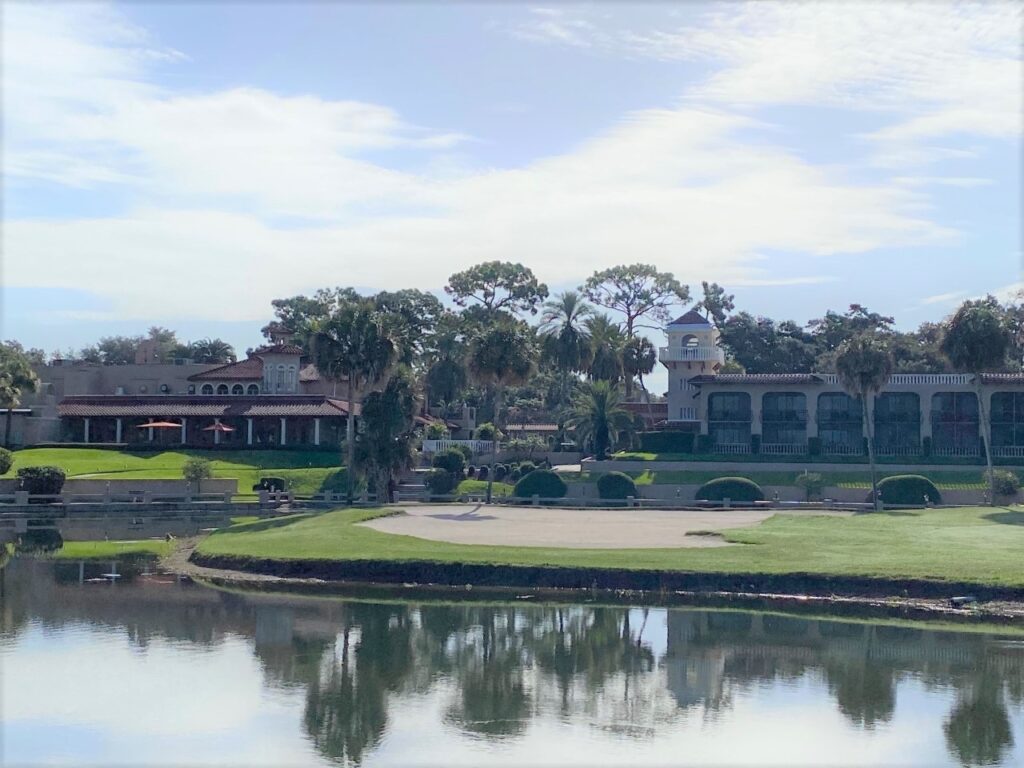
x=499, y=666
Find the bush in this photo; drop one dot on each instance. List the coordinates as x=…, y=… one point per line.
x=513, y=474
x=812, y=483
x=273, y=484
x=39, y=541
x=482, y=473
x=470, y=471
x=704, y=444
x=195, y=470
x=814, y=446
x=543, y=483
x=465, y=450
x=1004, y=483
x=526, y=467
x=733, y=488
x=6, y=461
x=439, y=482
x=488, y=431
x=500, y=472
x=667, y=441
x=451, y=461
x=616, y=485
x=436, y=431
x=907, y=489
x=42, y=481
x=755, y=443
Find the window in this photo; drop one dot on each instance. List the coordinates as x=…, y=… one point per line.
x=222, y=389
x=840, y=424
x=1007, y=419
x=784, y=418
x=207, y=389
x=897, y=422
x=252, y=389
x=729, y=418
x=191, y=389
x=237, y=389
x=955, y=423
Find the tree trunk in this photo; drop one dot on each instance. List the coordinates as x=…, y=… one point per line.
x=869, y=428
x=7, y=426
x=499, y=393
x=350, y=443
x=986, y=439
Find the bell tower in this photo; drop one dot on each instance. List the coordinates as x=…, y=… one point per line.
x=692, y=351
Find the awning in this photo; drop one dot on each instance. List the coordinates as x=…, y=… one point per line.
x=160, y=425
x=218, y=427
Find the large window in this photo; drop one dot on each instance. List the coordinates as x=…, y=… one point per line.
x=955, y=424
x=840, y=424
x=783, y=419
x=207, y=389
x=237, y=389
x=1008, y=423
x=898, y=423
x=222, y=389
x=729, y=421
x=252, y=389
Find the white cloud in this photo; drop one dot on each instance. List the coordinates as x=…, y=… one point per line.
x=942, y=298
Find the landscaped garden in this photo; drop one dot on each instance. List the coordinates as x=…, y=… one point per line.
x=980, y=545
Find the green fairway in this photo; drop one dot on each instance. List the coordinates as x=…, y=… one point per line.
x=307, y=472
x=981, y=545
x=106, y=550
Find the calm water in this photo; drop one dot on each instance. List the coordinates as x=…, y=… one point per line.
x=152, y=671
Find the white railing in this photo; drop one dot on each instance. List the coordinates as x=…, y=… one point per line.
x=686, y=414
x=903, y=379
x=837, y=449
x=784, y=448
x=1008, y=451
x=477, y=446
x=956, y=451
x=898, y=450
x=731, y=448
x=683, y=354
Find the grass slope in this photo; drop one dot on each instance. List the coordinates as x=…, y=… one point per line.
x=980, y=545
x=966, y=479
x=108, y=550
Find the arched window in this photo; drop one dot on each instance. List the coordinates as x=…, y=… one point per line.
x=207, y=389
x=237, y=389
x=292, y=381
x=222, y=389
x=253, y=389
x=689, y=341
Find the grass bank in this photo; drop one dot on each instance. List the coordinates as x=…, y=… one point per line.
x=980, y=546
x=109, y=550
x=961, y=479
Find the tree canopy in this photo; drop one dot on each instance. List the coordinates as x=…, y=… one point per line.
x=498, y=285
x=639, y=292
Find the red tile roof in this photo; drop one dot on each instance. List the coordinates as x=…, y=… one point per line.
x=279, y=349
x=244, y=370
x=1002, y=378
x=223, y=406
x=758, y=378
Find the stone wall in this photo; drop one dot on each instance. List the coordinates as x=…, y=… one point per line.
x=158, y=487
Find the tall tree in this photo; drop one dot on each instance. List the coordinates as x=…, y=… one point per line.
x=639, y=292
x=566, y=338
x=353, y=342
x=500, y=356
x=296, y=316
x=598, y=417
x=864, y=365
x=638, y=360
x=976, y=341
x=211, y=351
x=498, y=285
x=716, y=304
x=760, y=345
x=445, y=358
x=385, y=440
x=16, y=378
x=412, y=316
x=607, y=343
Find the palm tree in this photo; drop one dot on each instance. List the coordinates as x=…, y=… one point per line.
x=501, y=355
x=566, y=337
x=638, y=358
x=352, y=342
x=864, y=365
x=975, y=340
x=212, y=351
x=385, y=439
x=607, y=343
x=16, y=378
x=597, y=416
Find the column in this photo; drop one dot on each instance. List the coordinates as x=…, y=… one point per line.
x=755, y=412
x=216, y=432
x=925, y=403
x=316, y=431
x=812, y=414
x=86, y=429
x=248, y=432
x=284, y=430
x=183, y=420
x=117, y=438
x=150, y=430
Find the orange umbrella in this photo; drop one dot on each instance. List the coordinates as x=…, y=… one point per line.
x=218, y=428
x=160, y=425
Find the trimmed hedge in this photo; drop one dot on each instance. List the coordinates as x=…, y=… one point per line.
x=439, y=482
x=275, y=484
x=616, y=485
x=43, y=481
x=6, y=460
x=667, y=442
x=451, y=461
x=907, y=489
x=543, y=483
x=732, y=488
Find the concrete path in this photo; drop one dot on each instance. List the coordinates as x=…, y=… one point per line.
x=573, y=528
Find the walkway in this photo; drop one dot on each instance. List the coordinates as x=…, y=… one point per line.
x=574, y=528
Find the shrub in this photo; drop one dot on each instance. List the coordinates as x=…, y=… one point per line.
x=814, y=446
x=1004, y=482
x=526, y=467
x=482, y=473
x=907, y=489
x=436, y=431
x=513, y=474
x=488, y=431
x=667, y=442
x=43, y=481
x=439, y=482
x=500, y=472
x=926, y=446
x=732, y=488
x=451, y=461
x=543, y=483
x=465, y=450
x=616, y=485
x=39, y=541
x=755, y=443
x=812, y=483
x=195, y=470
x=275, y=484
x=6, y=461
x=704, y=444
x=470, y=471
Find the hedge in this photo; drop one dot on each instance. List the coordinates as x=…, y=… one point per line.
x=6, y=460
x=616, y=485
x=43, y=481
x=451, y=461
x=275, y=484
x=543, y=483
x=439, y=482
x=732, y=488
x=667, y=442
x=907, y=489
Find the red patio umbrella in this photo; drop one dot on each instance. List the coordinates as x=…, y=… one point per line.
x=218, y=427
x=160, y=425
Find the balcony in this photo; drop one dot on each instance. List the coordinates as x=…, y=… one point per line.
x=785, y=415
x=690, y=354
x=911, y=379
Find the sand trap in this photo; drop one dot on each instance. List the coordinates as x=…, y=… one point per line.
x=575, y=528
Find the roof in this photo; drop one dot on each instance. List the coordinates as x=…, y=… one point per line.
x=758, y=378
x=1002, y=378
x=279, y=349
x=693, y=317
x=531, y=427
x=217, y=406
x=645, y=408
x=250, y=368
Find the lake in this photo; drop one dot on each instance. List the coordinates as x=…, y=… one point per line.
x=149, y=669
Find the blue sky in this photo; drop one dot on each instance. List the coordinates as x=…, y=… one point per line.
x=183, y=164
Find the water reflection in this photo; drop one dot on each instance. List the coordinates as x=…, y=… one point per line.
x=396, y=682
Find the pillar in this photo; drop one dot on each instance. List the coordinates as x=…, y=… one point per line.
x=248, y=431
x=755, y=412
x=812, y=414
x=284, y=430
x=216, y=432
x=86, y=429
x=183, y=434
x=316, y=431
x=117, y=438
x=150, y=430
x=925, y=404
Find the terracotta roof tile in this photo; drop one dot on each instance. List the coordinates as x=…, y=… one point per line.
x=758, y=378
x=250, y=368
x=1002, y=378
x=223, y=406
x=279, y=349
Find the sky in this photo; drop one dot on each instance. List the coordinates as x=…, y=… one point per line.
x=183, y=164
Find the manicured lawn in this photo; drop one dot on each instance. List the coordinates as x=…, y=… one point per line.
x=480, y=486
x=797, y=461
x=982, y=545
x=967, y=479
x=306, y=471
x=105, y=550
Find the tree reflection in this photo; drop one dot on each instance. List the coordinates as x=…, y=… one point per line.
x=978, y=728
x=864, y=690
